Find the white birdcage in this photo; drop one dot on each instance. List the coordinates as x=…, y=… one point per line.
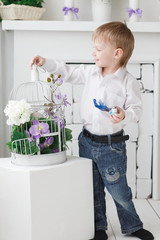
x=47, y=119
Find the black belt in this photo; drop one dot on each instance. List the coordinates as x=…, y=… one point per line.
x=104, y=139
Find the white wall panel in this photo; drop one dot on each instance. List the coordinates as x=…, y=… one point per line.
x=132, y=130
x=144, y=188
x=131, y=162
x=144, y=157
x=134, y=69
x=131, y=166
x=77, y=92
x=76, y=129
x=75, y=148
x=76, y=113
x=69, y=148
x=146, y=127
x=148, y=76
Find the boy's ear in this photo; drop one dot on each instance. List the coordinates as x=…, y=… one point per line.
x=118, y=53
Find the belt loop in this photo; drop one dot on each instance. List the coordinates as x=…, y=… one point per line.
x=109, y=140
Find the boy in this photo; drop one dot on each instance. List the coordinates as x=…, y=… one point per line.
x=102, y=138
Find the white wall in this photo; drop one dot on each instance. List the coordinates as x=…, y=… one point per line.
x=151, y=9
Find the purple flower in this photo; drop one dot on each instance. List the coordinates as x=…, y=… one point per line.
x=58, y=96
x=47, y=113
x=65, y=100
x=59, y=81
x=38, y=128
x=48, y=142
x=61, y=123
x=60, y=120
x=54, y=150
x=28, y=134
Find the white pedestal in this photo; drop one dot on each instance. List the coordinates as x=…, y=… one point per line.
x=52, y=203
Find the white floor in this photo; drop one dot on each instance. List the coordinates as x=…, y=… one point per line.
x=149, y=212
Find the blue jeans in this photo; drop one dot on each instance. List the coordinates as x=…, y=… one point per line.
x=109, y=170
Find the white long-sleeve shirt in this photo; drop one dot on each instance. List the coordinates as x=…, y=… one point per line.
x=118, y=89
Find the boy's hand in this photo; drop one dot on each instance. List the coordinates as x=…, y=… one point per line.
x=39, y=60
x=117, y=117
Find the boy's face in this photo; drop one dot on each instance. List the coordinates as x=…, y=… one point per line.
x=104, y=54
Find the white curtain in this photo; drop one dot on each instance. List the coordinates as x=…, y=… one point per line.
x=1, y=101
x=6, y=84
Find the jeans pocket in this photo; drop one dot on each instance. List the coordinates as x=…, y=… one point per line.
x=117, y=147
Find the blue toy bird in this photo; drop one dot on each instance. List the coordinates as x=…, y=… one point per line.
x=100, y=105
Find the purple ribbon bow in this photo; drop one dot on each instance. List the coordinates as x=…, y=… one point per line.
x=73, y=10
x=137, y=11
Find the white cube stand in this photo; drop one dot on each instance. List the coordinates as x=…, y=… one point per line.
x=46, y=203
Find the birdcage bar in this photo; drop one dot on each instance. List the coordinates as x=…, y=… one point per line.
x=22, y=143
x=30, y=145
x=25, y=148
x=52, y=126
x=16, y=146
x=59, y=135
x=20, y=147
x=37, y=143
x=63, y=138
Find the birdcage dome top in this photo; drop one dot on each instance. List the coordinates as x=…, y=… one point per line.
x=39, y=94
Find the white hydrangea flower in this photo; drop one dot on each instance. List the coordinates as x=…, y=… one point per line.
x=18, y=112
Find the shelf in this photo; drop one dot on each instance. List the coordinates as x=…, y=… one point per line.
x=49, y=25
x=85, y=26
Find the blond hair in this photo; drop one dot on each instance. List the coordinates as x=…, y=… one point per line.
x=119, y=35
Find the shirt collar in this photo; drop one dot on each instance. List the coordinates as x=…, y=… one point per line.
x=118, y=74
